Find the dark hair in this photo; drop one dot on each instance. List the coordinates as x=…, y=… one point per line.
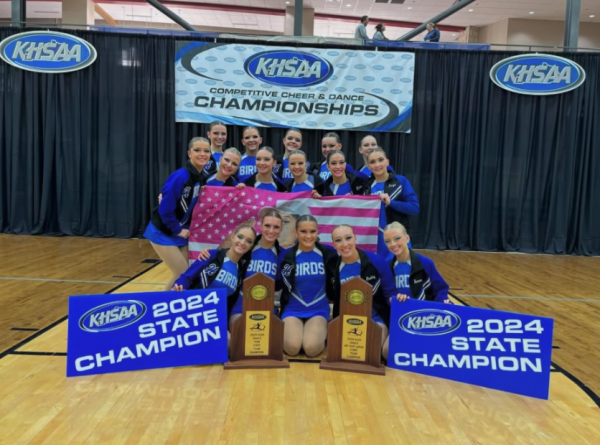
x=215, y=123
x=297, y=152
x=333, y=135
x=269, y=149
x=250, y=128
x=363, y=18
x=306, y=218
x=364, y=137
x=197, y=139
x=432, y=24
x=335, y=152
x=377, y=150
x=272, y=213
x=292, y=129
x=379, y=26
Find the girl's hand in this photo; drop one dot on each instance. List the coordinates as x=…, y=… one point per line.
x=204, y=255
x=240, y=186
x=185, y=233
x=177, y=287
x=385, y=198
x=402, y=298
x=159, y=198
x=447, y=301
x=316, y=194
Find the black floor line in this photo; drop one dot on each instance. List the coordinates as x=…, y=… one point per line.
x=24, y=329
x=58, y=354
x=586, y=389
x=57, y=322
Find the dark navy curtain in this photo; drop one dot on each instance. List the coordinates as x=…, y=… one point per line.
x=85, y=153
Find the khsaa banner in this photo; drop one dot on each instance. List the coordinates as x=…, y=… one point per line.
x=129, y=332
x=316, y=88
x=495, y=349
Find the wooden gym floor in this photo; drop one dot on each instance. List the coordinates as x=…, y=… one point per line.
x=304, y=405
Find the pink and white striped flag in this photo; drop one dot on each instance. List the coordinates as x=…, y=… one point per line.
x=220, y=210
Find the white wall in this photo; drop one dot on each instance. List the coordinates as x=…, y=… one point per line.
x=537, y=32
x=494, y=33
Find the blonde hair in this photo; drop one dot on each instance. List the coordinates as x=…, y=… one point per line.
x=396, y=225
x=233, y=150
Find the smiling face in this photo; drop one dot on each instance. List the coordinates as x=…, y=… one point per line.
x=242, y=241
x=378, y=163
x=396, y=241
x=344, y=242
x=329, y=144
x=337, y=165
x=217, y=136
x=199, y=154
x=229, y=164
x=251, y=140
x=270, y=228
x=297, y=165
x=367, y=145
x=264, y=161
x=307, y=233
x=292, y=141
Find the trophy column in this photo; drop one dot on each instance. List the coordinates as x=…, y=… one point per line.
x=257, y=336
x=354, y=339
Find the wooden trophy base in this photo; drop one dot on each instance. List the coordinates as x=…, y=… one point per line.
x=361, y=368
x=257, y=364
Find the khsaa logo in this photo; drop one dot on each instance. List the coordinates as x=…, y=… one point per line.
x=537, y=74
x=112, y=316
x=47, y=52
x=288, y=68
x=429, y=322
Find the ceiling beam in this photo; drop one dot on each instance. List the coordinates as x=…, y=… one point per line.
x=280, y=12
x=105, y=15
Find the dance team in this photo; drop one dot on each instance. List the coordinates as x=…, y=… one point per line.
x=308, y=273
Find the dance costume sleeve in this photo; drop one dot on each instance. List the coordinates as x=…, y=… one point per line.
x=405, y=199
x=171, y=195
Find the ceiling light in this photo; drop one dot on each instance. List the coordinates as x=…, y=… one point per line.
x=470, y=10
x=531, y=12
x=348, y=5
x=592, y=16
x=454, y=34
x=410, y=7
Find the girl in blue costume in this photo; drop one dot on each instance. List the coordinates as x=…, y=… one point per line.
x=264, y=257
x=415, y=275
x=251, y=140
x=225, y=268
x=398, y=199
x=168, y=231
x=264, y=178
x=372, y=268
x=330, y=142
x=228, y=167
x=304, y=302
x=217, y=134
x=301, y=180
x=291, y=141
x=367, y=145
x=341, y=182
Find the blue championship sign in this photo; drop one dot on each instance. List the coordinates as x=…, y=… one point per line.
x=499, y=350
x=131, y=332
